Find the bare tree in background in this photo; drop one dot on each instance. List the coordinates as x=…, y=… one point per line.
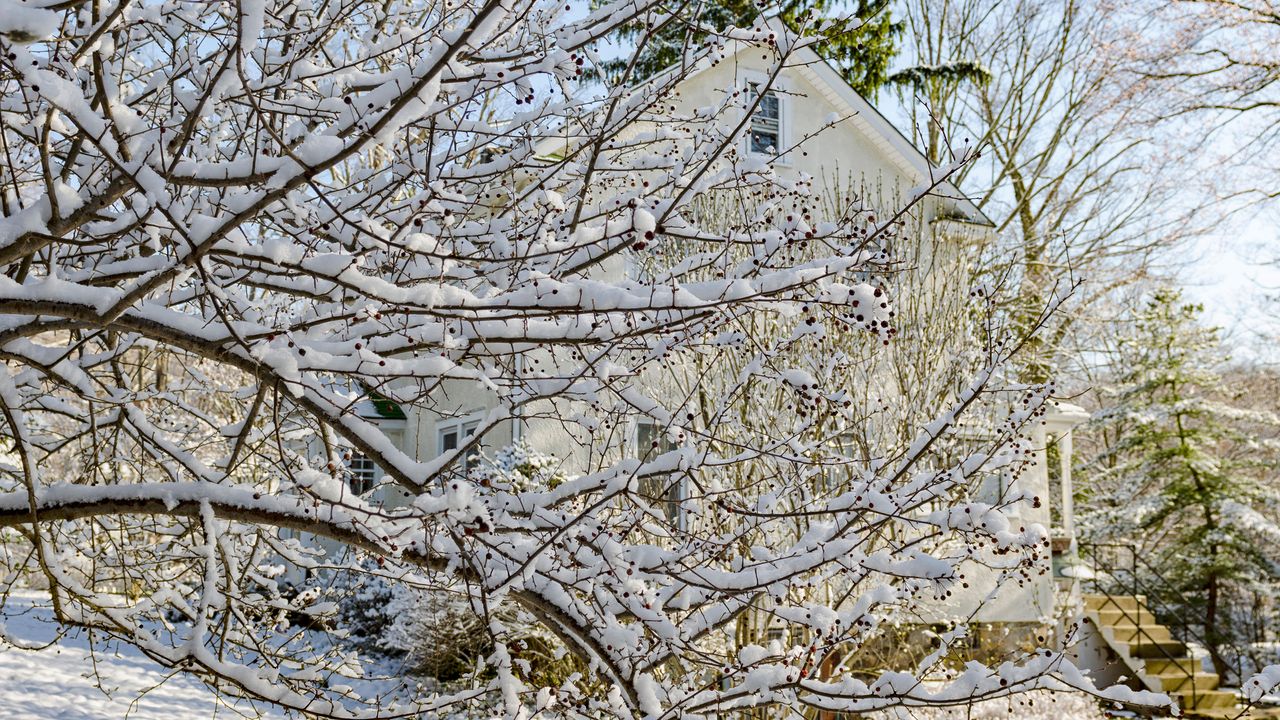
x=1080, y=175
x=1223, y=71
x=229, y=224
x=1225, y=79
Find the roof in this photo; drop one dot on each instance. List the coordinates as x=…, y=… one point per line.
x=884, y=134
x=377, y=407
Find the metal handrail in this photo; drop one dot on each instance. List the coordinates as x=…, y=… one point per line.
x=1091, y=550
x=1168, y=588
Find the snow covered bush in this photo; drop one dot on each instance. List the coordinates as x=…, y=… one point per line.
x=519, y=467
x=366, y=603
x=439, y=635
x=434, y=632
x=230, y=225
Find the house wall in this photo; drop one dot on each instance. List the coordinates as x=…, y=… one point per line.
x=847, y=152
x=831, y=152
x=1017, y=599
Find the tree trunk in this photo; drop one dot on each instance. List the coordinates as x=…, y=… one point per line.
x=1211, y=634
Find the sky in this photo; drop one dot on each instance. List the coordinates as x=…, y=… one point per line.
x=1235, y=279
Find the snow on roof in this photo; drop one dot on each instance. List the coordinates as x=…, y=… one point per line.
x=378, y=407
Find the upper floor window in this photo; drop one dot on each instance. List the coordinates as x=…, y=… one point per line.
x=764, y=135
x=665, y=490
x=451, y=434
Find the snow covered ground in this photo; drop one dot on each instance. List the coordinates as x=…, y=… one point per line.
x=1038, y=705
x=67, y=682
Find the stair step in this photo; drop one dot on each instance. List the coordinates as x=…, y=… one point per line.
x=1205, y=700
x=1179, y=682
x=1234, y=713
x=1134, y=627
x=1127, y=602
x=1180, y=666
x=1145, y=633
x=1131, y=616
x=1146, y=649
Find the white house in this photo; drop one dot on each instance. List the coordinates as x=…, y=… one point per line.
x=833, y=134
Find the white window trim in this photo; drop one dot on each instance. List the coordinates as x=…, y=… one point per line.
x=682, y=487
x=781, y=90
x=458, y=424
x=386, y=425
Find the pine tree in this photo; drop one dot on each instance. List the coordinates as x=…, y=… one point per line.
x=1180, y=473
x=861, y=47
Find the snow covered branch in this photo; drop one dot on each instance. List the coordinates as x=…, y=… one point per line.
x=239, y=237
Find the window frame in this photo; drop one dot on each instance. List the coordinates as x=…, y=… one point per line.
x=674, y=489
x=751, y=80
x=371, y=477
x=364, y=473
x=464, y=426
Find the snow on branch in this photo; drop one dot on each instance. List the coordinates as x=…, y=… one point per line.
x=256, y=256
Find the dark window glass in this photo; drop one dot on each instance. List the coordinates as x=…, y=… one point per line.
x=765, y=133
x=452, y=436
x=364, y=474
x=665, y=490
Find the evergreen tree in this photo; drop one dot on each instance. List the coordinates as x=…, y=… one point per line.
x=861, y=46
x=1181, y=473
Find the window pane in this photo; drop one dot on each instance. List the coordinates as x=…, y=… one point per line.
x=764, y=125
x=663, y=492
x=646, y=437
x=1053, y=459
x=652, y=488
x=762, y=142
x=768, y=107
x=452, y=437
x=651, y=441
x=765, y=132
x=364, y=474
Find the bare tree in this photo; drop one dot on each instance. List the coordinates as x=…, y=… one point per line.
x=227, y=225
x=1222, y=66
x=1079, y=172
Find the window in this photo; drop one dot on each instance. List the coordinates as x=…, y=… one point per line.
x=1053, y=461
x=665, y=489
x=452, y=435
x=364, y=473
x=764, y=135
x=992, y=490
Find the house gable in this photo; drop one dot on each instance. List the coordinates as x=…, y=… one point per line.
x=843, y=134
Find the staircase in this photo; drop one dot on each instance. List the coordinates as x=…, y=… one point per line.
x=1160, y=662
x=1126, y=587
